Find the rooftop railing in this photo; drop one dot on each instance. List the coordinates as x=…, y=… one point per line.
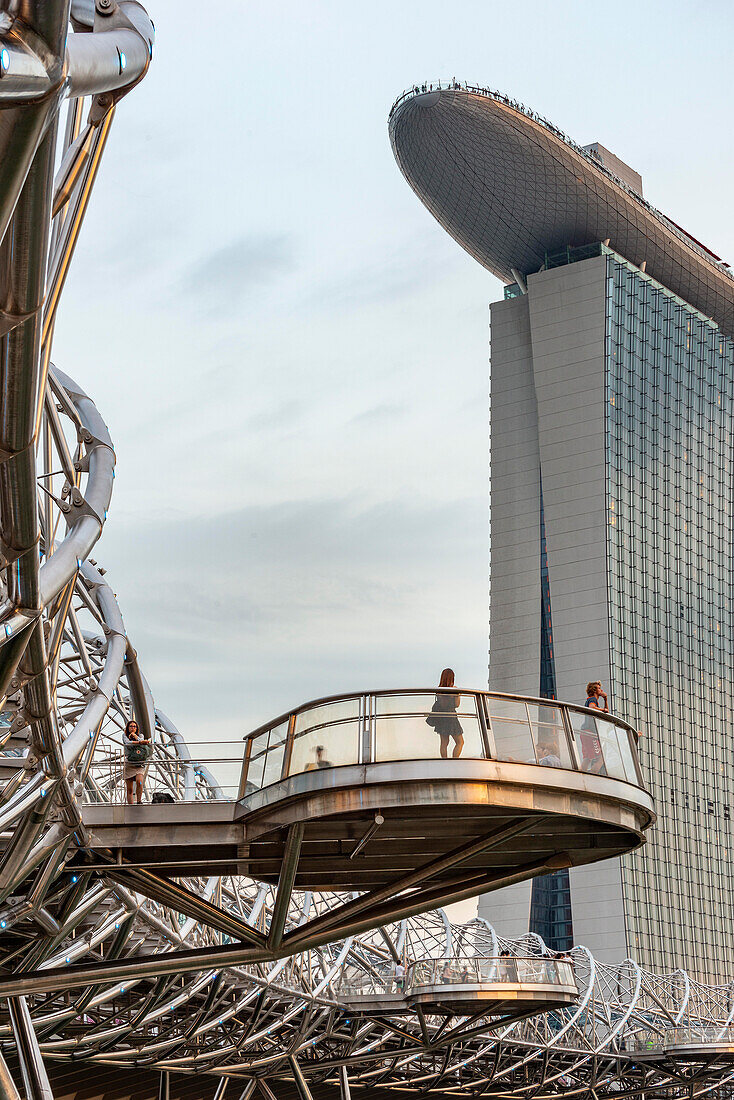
x=425, y=723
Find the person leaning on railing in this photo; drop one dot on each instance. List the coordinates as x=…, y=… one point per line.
x=593, y=761
x=138, y=750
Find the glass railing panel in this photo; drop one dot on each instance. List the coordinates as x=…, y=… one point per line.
x=564, y=973
x=607, y=733
x=547, y=714
x=326, y=714
x=531, y=970
x=274, y=756
x=256, y=766
x=589, y=744
x=428, y=737
x=420, y=704
x=508, y=708
x=420, y=973
x=551, y=746
x=325, y=747
x=627, y=753
x=513, y=741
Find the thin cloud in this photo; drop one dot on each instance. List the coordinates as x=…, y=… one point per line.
x=378, y=414
x=228, y=273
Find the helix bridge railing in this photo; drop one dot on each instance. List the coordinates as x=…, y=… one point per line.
x=686, y=1035
x=517, y=970
x=381, y=726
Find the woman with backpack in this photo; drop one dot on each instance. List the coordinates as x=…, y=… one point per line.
x=138, y=750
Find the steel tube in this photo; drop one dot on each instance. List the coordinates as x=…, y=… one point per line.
x=35, y=1079
x=300, y=1081
x=8, y=1091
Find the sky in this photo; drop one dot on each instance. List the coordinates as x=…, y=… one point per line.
x=291, y=354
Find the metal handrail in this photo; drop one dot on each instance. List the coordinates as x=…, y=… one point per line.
x=617, y=758
x=535, y=699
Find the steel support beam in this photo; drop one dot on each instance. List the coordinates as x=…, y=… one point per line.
x=337, y=917
x=286, y=880
x=178, y=897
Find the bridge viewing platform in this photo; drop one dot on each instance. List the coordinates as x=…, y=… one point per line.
x=369, y=792
x=507, y=987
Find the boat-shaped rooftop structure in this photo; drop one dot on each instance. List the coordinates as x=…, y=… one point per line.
x=511, y=188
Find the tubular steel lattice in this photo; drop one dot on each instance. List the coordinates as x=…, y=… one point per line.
x=69, y=679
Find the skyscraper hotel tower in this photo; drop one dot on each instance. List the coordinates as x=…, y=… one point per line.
x=612, y=412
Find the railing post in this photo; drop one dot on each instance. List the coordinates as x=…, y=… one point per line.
x=479, y=700
x=245, y=769
x=571, y=738
x=288, y=751
x=368, y=708
x=487, y=731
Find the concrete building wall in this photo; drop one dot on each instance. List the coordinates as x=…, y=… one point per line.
x=514, y=647
x=567, y=316
x=514, y=662
x=548, y=419
x=567, y=324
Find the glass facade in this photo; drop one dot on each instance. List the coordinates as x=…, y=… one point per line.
x=669, y=423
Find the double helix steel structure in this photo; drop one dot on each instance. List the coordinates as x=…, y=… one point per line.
x=301, y=947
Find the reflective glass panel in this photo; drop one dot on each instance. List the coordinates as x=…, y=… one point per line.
x=626, y=753
x=448, y=734
x=274, y=755
x=587, y=740
x=327, y=713
x=551, y=746
x=508, y=708
x=607, y=733
x=513, y=741
x=325, y=747
x=256, y=767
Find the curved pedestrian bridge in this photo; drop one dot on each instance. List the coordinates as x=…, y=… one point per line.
x=414, y=798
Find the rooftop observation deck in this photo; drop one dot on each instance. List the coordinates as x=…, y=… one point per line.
x=505, y=987
x=385, y=794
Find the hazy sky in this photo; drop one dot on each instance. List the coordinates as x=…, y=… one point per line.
x=291, y=355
